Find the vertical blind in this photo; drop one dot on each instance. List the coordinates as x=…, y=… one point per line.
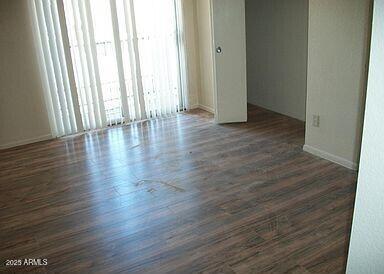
x=107, y=62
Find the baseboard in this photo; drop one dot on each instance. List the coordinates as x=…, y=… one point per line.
x=209, y=109
x=194, y=106
x=330, y=157
x=26, y=141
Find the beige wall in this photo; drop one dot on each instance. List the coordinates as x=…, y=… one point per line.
x=205, y=54
x=337, y=68
x=23, y=116
x=277, y=43
x=191, y=43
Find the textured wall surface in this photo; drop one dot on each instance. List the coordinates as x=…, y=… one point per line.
x=366, y=251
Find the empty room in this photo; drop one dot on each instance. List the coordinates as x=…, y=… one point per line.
x=191, y=136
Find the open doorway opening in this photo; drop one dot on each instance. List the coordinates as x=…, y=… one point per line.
x=276, y=54
x=262, y=40
x=277, y=49
x=277, y=57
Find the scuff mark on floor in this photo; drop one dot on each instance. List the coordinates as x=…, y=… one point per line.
x=151, y=190
x=135, y=146
x=179, y=189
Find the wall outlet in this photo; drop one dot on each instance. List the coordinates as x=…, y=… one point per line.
x=316, y=120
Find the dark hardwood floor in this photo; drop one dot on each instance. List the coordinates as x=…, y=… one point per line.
x=177, y=195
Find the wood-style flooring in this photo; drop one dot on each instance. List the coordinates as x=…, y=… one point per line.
x=177, y=195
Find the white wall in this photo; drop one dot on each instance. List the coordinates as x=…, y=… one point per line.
x=366, y=251
x=23, y=116
x=277, y=41
x=337, y=65
x=205, y=54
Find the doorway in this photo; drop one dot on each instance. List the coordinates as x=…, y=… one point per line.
x=277, y=55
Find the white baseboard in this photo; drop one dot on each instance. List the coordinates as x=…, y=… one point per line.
x=194, y=106
x=209, y=109
x=26, y=141
x=330, y=157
